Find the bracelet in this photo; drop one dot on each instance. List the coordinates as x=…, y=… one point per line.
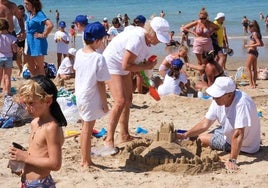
x=233, y=161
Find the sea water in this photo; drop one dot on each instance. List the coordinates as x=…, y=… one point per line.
x=178, y=12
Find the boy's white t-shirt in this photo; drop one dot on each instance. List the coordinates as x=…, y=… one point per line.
x=242, y=113
x=61, y=46
x=66, y=66
x=90, y=68
x=132, y=40
x=171, y=85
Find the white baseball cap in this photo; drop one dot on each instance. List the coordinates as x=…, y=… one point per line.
x=219, y=15
x=72, y=51
x=221, y=86
x=161, y=28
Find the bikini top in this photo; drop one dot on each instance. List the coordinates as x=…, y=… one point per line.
x=200, y=31
x=252, y=38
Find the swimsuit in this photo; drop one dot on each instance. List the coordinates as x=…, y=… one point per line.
x=46, y=182
x=201, y=31
x=206, y=79
x=253, y=52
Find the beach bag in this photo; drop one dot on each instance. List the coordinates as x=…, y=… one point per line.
x=241, y=73
x=50, y=70
x=262, y=73
x=13, y=114
x=67, y=102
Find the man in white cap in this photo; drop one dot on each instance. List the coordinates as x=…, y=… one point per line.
x=221, y=44
x=237, y=115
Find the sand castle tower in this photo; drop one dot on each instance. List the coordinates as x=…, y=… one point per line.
x=166, y=133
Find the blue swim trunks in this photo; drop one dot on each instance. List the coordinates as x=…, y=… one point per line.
x=217, y=141
x=46, y=182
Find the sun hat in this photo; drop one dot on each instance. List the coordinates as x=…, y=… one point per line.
x=82, y=19
x=161, y=28
x=62, y=24
x=219, y=15
x=94, y=31
x=177, y=63
x=221, y=86
x=72, y=51
x=140, y=18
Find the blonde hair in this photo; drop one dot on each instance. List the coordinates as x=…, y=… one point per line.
x=30, y=90
x=203, y=12
x=149, y=29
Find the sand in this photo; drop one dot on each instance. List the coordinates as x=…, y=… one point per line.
x=114, y=171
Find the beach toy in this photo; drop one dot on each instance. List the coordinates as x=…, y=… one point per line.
x=259, y=113
x=70, y=133
x=153, y=92
x=181, y=131
x=141, y=130
x=9, y=123
x=101, y=133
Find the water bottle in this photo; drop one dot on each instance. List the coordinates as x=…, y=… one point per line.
x=199, y=94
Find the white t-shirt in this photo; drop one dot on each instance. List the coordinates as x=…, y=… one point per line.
x=171, y=85
x=61, y=46
x=66, y=66
x=241, y=113
x=132, y=40
x=114, y=31
x=90, y=68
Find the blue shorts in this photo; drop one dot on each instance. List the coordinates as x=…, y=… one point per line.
x=217, y=140
x=6, y=62
x=46, y=182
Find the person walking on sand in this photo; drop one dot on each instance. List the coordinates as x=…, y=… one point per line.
x=44, y=154
x=221, y=41
x=38, y=27
x=91, y=74
x=7, y=48
x=124, y=55
x=254, y=42
x=203, y=29
x=62, y=39
x=237, y=115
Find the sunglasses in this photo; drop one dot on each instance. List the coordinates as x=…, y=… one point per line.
x=251, y=25
x=203, y=18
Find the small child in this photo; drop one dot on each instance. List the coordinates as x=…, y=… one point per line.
x=72, y=33
x=66, y=70
x=166, y=63
x=7, y=48
x=91, y=74
x=62, y=39
x=38, y=95
x=174, y=80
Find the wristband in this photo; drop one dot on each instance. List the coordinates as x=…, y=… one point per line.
x=233, y=161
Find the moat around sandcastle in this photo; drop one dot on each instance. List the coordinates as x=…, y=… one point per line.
x=168, y=154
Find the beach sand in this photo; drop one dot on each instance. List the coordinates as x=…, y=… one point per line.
x=116, y=171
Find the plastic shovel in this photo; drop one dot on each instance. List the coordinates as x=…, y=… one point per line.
x=153, y=92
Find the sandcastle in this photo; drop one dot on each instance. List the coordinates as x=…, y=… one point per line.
x=166, y=153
